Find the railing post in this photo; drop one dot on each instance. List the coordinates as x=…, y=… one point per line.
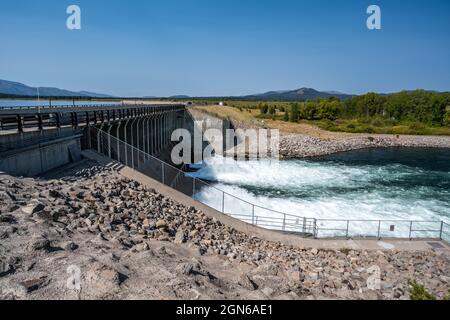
x=442, y=230
x=109, y=142
x=410, y=231
x=253, y=214
x=19, y=124
x=40, y=126
x=163, y=174
x=304, y=225
x=315, y=229
x=90, y=133
x=98, y=141
x=379, y=230
x=346, y=232
x=284, y=222
x=193, y=187
x=126, y=141
x=118, y=139
x=58, y=120
x=223, y=202
x=132, y=142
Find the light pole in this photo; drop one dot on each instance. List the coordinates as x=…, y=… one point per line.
x=39, y=104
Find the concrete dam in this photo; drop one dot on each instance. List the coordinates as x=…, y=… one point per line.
x=36, y=140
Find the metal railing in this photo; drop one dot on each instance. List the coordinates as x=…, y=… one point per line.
x=78, y=116
x=251, y=213
x=47, y=106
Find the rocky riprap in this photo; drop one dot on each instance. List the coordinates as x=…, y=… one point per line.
x=294, y=146
x=131, y=242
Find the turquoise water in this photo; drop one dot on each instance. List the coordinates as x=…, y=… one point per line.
x=377, y=184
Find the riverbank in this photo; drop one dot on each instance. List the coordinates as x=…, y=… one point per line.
x=297, y=146
x=131, y=242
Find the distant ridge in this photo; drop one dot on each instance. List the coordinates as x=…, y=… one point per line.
x=301, y=94
x=20, y=89
x=179, y=97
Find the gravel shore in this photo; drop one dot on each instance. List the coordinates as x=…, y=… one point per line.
x=130, y=242
x=296, y=146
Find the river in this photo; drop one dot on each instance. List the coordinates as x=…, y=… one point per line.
x=373, y=184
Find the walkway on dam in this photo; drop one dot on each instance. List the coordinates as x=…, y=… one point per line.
x=269, y=235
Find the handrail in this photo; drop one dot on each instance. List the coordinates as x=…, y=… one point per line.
x=304, y=223
x=76, y=116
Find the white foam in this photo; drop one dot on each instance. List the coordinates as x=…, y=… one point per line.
x=323, y=191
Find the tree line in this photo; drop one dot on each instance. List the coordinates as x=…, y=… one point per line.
x=427, y=107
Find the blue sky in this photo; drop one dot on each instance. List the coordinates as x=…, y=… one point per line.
x=226, y=47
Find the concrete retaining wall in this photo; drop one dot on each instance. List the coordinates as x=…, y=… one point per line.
x=204, y=122
x=41, y=157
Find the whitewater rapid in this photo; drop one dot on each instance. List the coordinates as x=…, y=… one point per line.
x=328, y=190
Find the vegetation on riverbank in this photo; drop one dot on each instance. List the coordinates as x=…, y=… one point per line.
x=381, y=126
x=410, y=112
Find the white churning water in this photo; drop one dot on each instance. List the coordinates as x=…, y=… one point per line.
x=364, y=185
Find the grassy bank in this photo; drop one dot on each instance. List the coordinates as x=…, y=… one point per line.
x=279, y=120
x=380, y=126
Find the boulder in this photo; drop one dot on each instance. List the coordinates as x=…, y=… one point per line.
x=179, y=237
x=39, y=244
x=34, y=284
x=102, y=280
x=33, y=207
x=247, y=282
x=161, y=224
x=5, y=268
x=70, y=246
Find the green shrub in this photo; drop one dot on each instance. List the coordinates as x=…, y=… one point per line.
x=418, y=292
x=295, y=113
x=345, y=251
x=416, y=126
x=378, y=122
x=272, y=110
x=264, y=108
x=447, y=297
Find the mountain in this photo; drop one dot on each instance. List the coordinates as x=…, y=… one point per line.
x=94, y=94
x=179, y=97
x=301, y=94
x=20, y=89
